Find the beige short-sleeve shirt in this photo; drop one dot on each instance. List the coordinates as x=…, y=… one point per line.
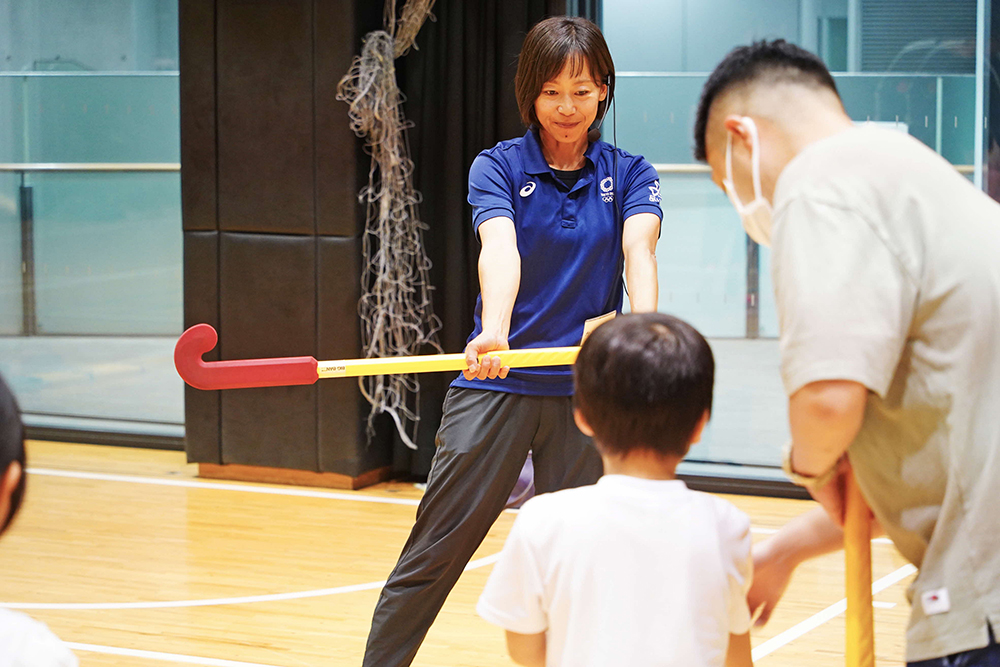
x=886, y=270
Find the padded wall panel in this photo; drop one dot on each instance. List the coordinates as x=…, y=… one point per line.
x=265, y=116
x=272, y=170
x=339, y=159
x=268, y=309
x=343, y=411
x=197, y=91
x=203, y=437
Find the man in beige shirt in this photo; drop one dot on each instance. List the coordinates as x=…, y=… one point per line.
x=886, y=270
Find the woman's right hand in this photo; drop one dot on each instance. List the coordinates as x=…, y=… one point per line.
x=491, y=366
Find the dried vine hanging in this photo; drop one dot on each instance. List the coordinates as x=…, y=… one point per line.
x=397, y=317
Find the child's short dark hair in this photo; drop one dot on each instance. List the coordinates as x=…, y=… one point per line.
x=644, y=382
x=779, y=60
x=546, y=50
x=11, y=447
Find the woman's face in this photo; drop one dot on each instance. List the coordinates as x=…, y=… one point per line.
x=567, y=105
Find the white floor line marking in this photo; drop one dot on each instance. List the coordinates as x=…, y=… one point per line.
x=272, y=597
x=166, y=657
x=834, y=610
x=883, y=605
x=192, y=484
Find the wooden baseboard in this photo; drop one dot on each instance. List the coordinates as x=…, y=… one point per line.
x=330, y=480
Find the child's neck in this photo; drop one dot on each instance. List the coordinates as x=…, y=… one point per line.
x=642, y=463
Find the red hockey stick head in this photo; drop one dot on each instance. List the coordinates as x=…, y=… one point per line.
x=201, y=338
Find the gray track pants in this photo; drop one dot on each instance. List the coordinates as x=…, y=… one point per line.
x=482, y=443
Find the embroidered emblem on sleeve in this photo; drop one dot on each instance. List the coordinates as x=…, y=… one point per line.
x=654, y=193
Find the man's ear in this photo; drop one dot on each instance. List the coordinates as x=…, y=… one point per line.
x=699, y=428
x=9, y=481
x=734, y=125
x=582, y=424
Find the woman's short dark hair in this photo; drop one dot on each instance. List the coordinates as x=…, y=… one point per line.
x=546, y=50
x=644, y=382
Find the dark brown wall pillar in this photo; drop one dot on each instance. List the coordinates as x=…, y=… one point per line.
x=269, y=176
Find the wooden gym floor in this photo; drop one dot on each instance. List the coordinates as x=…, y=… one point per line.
x=132, y=560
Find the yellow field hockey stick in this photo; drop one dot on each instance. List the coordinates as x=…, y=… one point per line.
x=860, y=621
x=283, y=371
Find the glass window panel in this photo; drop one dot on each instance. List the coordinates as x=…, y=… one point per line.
x=89, y=35
x=90, y=118
x=108, y=251
x=701, y=256
x=86, y=81
x=87, y=382
x=749, y=422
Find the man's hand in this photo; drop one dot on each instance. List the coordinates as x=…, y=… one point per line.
x=831, y=495
x=490, y=367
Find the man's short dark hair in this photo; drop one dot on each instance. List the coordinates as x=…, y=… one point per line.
x=644, y=382
x=548, y=47
x=777, y=62
x=11, y=447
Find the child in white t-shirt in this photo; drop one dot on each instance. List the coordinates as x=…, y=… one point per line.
x=24, y=642
x=637, y=569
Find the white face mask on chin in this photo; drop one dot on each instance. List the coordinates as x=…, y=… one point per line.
x=756, y=215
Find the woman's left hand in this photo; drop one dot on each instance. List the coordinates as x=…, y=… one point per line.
x=490, y=367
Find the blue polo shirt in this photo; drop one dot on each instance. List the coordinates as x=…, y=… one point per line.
x=570, y=242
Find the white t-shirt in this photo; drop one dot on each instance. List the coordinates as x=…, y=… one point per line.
x=627, y=571
x=25, y=642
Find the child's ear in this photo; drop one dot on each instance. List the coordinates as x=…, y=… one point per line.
x=696, y=435
x=9, y=480
x=582, y=424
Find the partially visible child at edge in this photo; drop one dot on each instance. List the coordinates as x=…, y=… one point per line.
x=24, y=642
x=637, y=569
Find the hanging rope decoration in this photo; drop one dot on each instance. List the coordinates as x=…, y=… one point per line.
x=397, y=316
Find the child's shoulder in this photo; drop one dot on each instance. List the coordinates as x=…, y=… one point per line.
x=732, y=523
x=559, y=506
x=563, y=499
x=723, y=509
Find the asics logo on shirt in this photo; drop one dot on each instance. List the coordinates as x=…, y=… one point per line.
x=528, y=189
x=608, y=190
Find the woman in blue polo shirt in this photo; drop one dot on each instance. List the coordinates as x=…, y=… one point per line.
x=560, y=215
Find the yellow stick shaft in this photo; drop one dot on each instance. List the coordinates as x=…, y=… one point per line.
x=547, y=356
x=860, y=626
